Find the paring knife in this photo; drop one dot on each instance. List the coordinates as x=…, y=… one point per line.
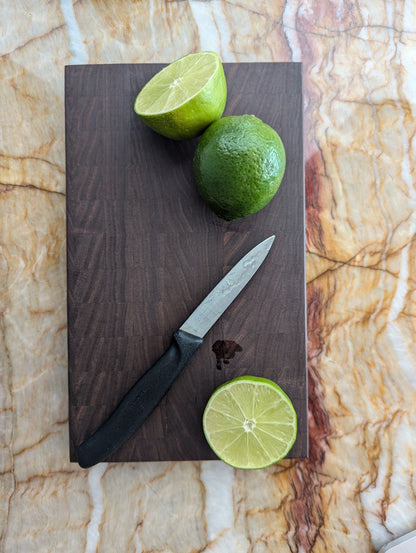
x=148, y=391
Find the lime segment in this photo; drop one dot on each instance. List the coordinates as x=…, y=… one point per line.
x=250, y=423
x=184, y=97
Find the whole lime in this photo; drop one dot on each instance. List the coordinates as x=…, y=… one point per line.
x=239, y=164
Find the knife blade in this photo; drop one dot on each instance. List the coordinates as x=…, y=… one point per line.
x=149, y=390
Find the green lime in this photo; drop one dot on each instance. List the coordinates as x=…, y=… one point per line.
x=239, y=164
x=250, y=423
x=184, y=97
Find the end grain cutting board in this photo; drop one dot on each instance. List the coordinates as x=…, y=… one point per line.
x=144, y=250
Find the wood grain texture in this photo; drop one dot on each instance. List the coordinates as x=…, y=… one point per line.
x=143, y=250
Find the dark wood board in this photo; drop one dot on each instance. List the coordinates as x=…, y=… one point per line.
x=143, y=250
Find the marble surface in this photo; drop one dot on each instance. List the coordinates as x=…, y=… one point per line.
x=357, y=490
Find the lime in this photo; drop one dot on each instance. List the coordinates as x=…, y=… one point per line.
x=184, y=97
x=239, y=164
x=250, y=423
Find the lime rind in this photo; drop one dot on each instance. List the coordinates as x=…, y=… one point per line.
x=229, y=408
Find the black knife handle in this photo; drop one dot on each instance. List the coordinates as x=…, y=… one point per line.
x=139, y=402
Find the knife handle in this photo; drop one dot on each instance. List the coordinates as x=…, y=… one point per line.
x=139, y=402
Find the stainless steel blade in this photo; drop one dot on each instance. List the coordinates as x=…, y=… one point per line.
x=225, y=292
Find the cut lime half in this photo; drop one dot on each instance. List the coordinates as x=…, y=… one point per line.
x=184, y=97
x=250, y=423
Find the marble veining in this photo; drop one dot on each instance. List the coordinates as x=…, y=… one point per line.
x=218, y=481
x=357, y=490
x=77, y=46
x=93, y=530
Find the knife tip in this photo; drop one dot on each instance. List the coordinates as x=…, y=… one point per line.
x=270, y=240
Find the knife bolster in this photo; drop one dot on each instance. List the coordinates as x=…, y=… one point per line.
x=187, y=345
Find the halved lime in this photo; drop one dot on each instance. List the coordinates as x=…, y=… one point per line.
x=250, y=423
x=184, y=97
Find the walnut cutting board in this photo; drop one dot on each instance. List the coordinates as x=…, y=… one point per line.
x=143, y=250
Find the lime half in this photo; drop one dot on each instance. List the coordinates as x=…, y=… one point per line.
x=250, y=423
x=185, y=97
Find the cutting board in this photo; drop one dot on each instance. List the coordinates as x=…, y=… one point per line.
x=143, y=250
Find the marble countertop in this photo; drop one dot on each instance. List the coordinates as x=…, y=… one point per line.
x=357, y=490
